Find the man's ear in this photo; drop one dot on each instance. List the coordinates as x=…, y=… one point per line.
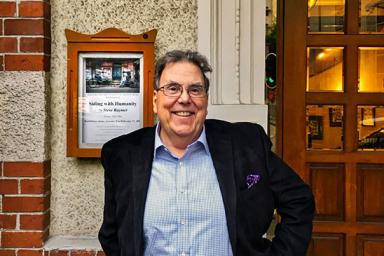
x=154, y=101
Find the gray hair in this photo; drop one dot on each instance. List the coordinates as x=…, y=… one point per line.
x=177, y=56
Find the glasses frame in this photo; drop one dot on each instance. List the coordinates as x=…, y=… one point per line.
x=181, y=89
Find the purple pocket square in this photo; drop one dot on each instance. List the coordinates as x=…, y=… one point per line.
x=252, y=179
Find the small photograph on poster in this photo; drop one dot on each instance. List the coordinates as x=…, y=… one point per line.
x=111, y=75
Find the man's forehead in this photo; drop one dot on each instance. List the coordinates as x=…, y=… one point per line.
x=177, y=73
x=184, y=63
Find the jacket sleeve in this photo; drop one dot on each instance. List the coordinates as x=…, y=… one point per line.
x=108, y=231
x=294, y=203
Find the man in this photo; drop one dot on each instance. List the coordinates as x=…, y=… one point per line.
x=191, y=186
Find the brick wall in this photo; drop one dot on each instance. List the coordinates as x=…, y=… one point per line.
x=25, y=45
x=24, y=207
x=24, y=186
x=25, y=35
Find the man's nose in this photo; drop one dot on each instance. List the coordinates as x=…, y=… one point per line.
x=184, y=97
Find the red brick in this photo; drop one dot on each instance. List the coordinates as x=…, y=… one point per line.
x=7, y=9
x=26, y=27
x=35, y=9
x=30, y=253
x=1, y=27
x=8, y=186
x=26, y=169
x=22, y=239
x=25, y=204
x=34, y=222
x=26, y=63
x=7, y=253
x=7, y=222
x=8, y=44
x=37, y=186
x=35, y=45
x=58, y=253
x=1, y=63
x=82, y=253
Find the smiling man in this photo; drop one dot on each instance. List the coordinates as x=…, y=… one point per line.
x=181, y=105
x=191, y=186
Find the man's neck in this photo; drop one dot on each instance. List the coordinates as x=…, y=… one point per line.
x=177, y=145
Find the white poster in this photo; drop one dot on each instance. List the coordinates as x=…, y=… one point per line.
x=110, y=101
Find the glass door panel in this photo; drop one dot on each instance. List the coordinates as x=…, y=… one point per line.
x=371, y=69
x=326, y=16
x=324, y=127
x=324, y=69
x=370, y=127
x=371, y=16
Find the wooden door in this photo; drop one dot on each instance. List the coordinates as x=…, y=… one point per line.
x=331, y=67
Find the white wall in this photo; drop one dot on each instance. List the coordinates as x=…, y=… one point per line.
x=231, y=33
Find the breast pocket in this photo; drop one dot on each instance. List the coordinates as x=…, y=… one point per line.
x=253, y=198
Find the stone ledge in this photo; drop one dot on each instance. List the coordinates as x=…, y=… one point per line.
x=72, y=243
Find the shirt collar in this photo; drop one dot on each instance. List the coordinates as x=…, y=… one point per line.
x=159, y=144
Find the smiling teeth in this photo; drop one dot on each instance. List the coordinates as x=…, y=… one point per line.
x=183, y=113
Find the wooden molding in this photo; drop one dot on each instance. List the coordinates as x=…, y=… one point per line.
x=110, y=35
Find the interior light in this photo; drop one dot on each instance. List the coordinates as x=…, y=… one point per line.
x=311, y=3
x=321, y=55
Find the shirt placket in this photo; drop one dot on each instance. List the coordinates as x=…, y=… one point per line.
x=183, y=208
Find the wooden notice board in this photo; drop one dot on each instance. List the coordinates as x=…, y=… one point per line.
x=109, y=87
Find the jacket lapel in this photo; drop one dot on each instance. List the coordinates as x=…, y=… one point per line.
x=141, y=169
x=220, y=147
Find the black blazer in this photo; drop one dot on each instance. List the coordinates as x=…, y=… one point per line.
x=237, y=150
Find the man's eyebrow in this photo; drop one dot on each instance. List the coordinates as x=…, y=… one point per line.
x=196, y=84
x=172, y=83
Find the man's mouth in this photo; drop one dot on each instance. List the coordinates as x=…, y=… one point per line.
x=183, y=113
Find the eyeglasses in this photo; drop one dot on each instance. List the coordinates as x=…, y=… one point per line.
x=175, y=90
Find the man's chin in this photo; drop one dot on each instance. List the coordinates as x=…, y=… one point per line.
x=186, y=133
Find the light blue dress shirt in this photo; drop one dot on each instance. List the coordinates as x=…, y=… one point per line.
x=184, y=212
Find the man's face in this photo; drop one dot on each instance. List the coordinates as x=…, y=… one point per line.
x=180, y=117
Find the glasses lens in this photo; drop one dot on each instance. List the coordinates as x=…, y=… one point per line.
x=196, y=91
x=172, y=90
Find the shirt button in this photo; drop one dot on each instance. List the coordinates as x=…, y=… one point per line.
x=183, y=254
x=183, y=222
x=181, y=163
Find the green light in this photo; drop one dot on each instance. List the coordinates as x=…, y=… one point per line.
x=270, y=81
